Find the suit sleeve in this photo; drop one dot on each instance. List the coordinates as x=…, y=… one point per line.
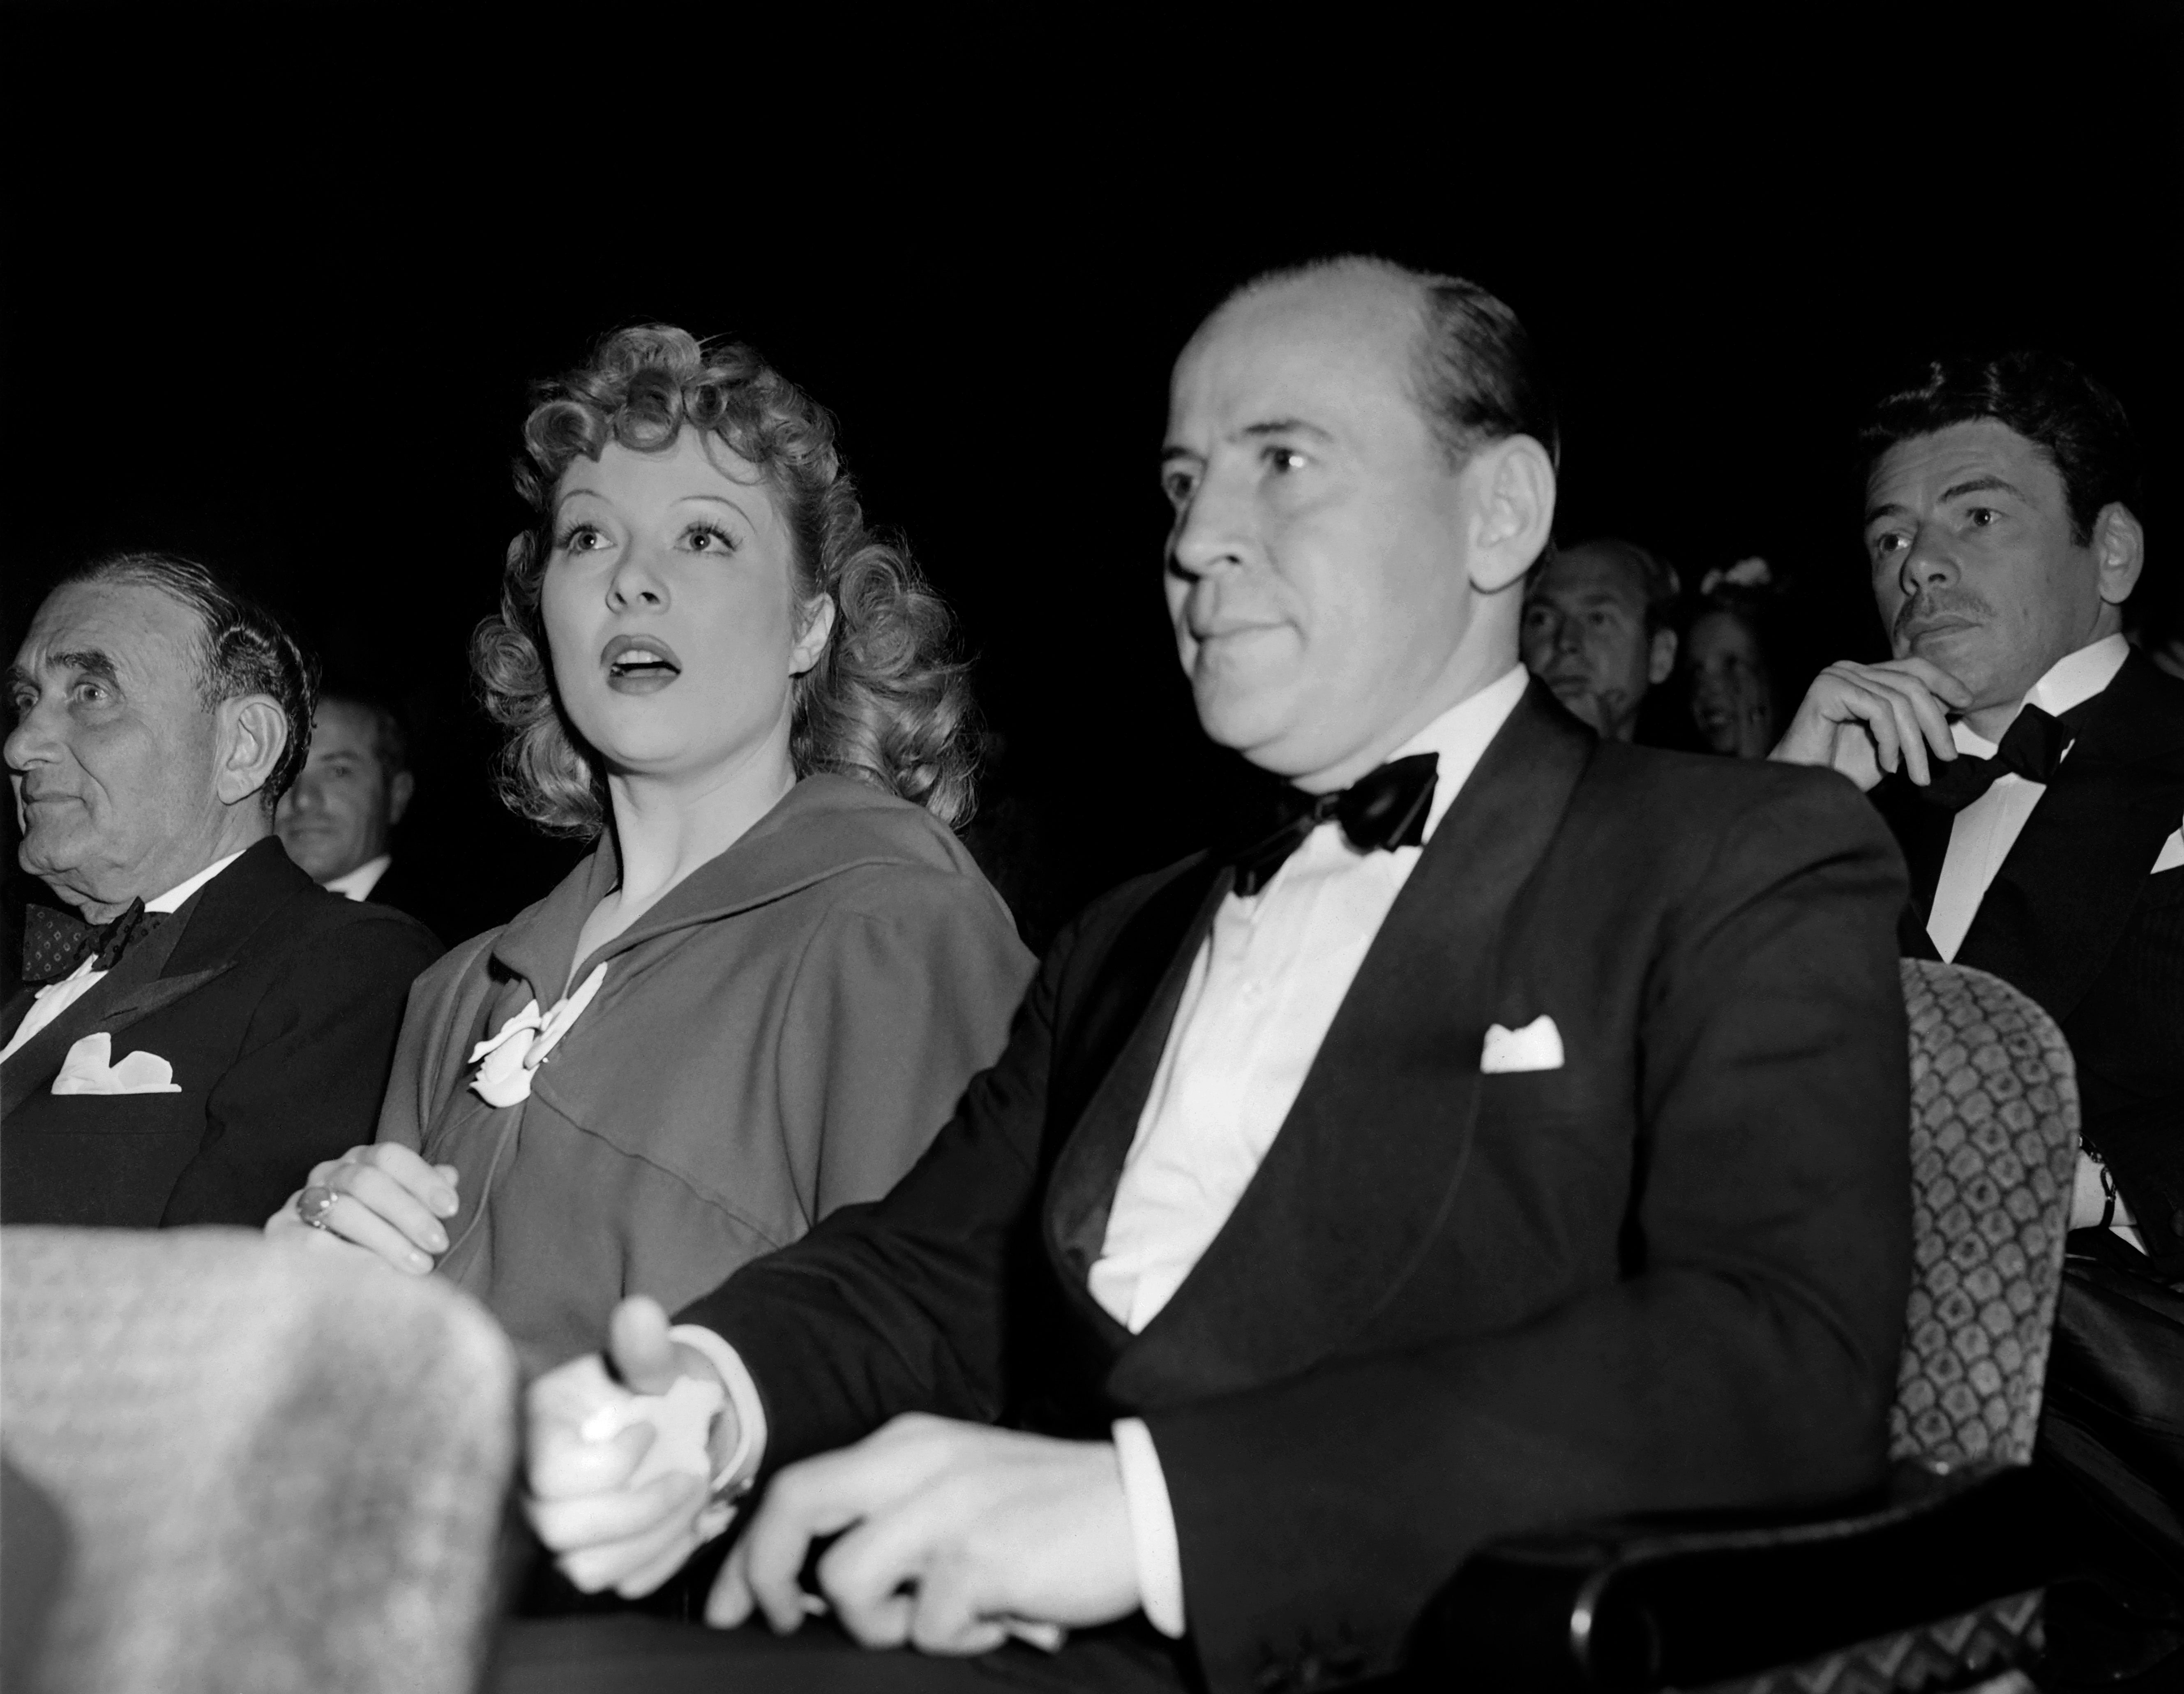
x=307, y=1085
x=902, y=998
x=1749, y=1361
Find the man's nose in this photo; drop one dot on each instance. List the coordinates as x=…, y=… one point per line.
x=30, y=742
x=1209, y=534
x=1928, y=562
x=1570, y=636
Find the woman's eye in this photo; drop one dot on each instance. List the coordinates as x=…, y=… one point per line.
x=579, y=538
x=708, y=537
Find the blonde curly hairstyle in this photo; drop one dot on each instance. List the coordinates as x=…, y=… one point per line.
x=888, y=703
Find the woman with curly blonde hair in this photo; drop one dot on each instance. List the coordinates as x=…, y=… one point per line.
x=759, y=996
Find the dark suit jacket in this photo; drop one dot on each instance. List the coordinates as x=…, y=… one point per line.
x=2076, y=918
x=1671, y=1273
x=277, y=1005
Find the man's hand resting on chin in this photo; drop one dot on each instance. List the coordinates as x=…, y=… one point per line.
x=952, y=1537
x=605, y=1533
x=1866, y=720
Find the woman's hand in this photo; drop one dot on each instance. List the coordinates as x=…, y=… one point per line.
x=387, y=1200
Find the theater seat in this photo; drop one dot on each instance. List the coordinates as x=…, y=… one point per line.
x=274, y=1468
x=1937, y=1583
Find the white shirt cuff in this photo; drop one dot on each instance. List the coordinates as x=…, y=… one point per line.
x=743, y=1464
x=1152, y=1527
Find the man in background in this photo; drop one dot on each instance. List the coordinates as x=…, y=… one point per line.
x=1597, y=630
x=2031, y=764
x=199, y=1024
x=338, y=820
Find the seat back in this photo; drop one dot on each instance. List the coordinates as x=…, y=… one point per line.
x=1994, y=1144
x=278, y=1467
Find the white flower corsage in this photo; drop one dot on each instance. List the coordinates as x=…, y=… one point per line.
x=506, y=1060
x=1745, y=573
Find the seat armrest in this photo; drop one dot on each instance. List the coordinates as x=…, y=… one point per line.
x=1685, y=1601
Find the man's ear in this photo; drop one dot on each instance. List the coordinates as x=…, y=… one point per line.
x=2119, y=546
x=1516, y=514
x=399, y=794
x=820, y=615
x=254, y=734
x=1661, y=659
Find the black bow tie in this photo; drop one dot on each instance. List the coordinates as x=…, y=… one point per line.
x=54, y=943
x=2032, y=747
x=1384, y=808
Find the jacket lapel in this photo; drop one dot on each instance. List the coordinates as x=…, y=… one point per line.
x=200, y=943
x=131, y=990
x=2056, y=908
x=1106, y=1058
x=1368, y=1162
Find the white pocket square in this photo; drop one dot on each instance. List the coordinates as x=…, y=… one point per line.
x=1538, y=1046
x=90, y=1068
x=2172, y=854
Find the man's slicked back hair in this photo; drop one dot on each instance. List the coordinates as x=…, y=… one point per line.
x=1476, y=375
x=244, y=649
x=390, y=741
x=2068, y=416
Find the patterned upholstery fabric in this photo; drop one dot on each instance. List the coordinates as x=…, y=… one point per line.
x=1994, y=1144
x=1994, y=1141
x=277, y=1469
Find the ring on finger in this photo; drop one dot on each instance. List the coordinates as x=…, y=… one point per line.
x=314, y=1202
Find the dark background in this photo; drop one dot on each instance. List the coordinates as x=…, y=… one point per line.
x=275, y=281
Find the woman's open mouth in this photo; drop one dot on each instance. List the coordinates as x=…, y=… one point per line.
x=639, y=664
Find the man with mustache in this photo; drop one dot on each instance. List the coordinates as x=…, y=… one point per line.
x=199, y=1023
x=1510, y=1131
x=2032, y=765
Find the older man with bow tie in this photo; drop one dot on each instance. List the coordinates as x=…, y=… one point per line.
x=1513, y=1133
x=198, y=1022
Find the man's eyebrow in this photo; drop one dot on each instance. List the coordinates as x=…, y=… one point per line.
x=90, y=661
x=1283, y=426
x=1887, y=509
x=1989, y=484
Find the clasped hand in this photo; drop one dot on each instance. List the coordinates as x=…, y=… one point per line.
x=949, y=1536
x=1868, y=719
x=391, y=1204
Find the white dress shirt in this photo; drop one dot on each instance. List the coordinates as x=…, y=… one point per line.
x=359, y=884
x=1261, y=995
x=55, y=998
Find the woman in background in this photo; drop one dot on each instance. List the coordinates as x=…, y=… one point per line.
x=1732, y=662
x=759, y=996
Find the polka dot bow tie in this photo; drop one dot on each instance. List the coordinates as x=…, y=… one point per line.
x=54, y=943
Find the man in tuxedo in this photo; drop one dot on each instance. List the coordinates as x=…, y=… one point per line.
x=2032, y=765
x=1513, y=1133
x=1597, y=630
x=338, y=820
x=199, y=1023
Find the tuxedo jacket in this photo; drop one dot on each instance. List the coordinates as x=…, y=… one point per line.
x=277, y=1005
x=1450, y=1305
x=2076, y=918
x=402, y=888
